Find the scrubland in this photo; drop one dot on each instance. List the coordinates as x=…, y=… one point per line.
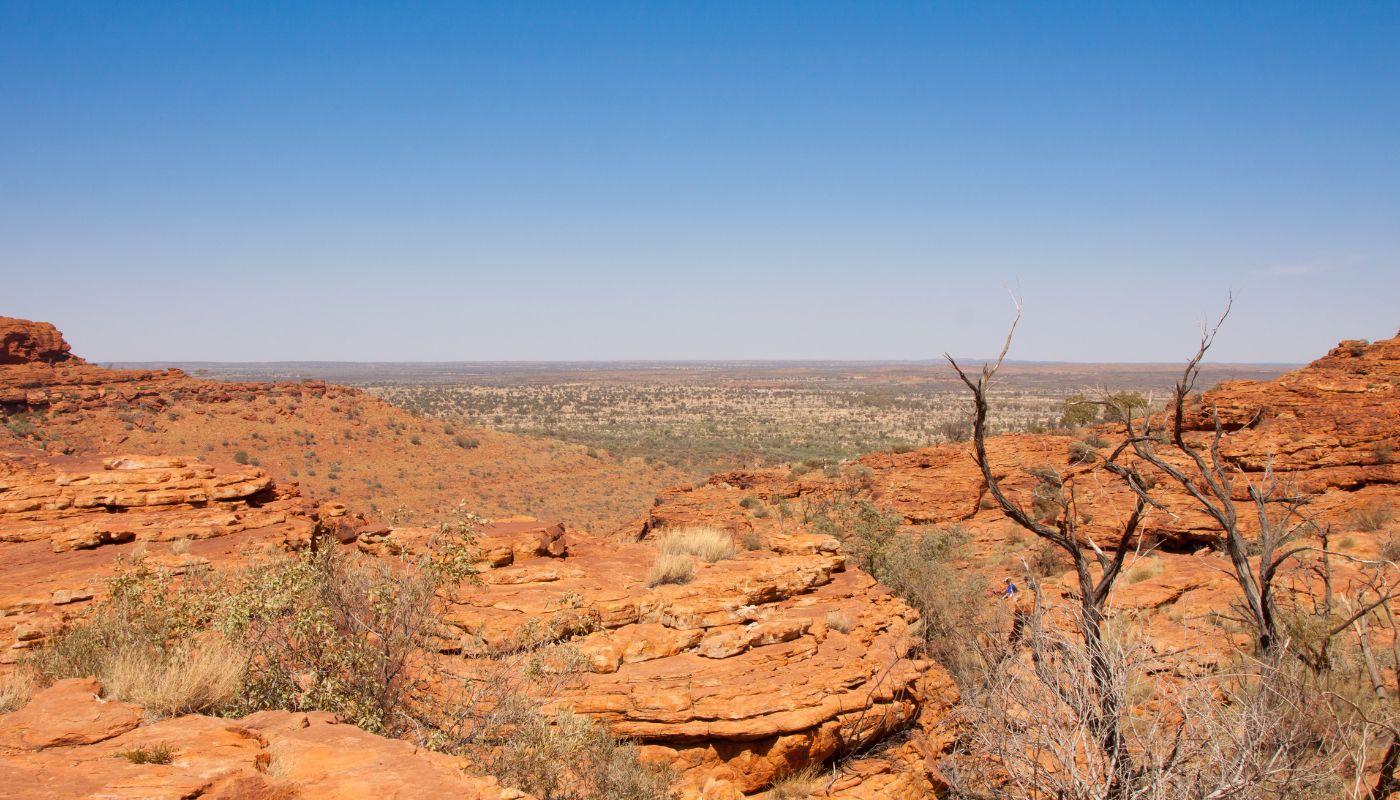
x=724, y=417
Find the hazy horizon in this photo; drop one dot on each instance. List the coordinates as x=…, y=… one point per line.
x=120, y=364
x=621, y=181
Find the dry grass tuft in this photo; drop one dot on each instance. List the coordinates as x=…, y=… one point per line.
x=196, y=680
x=798, y=786
x=1373, y=518
x=711, y=544
x=16, y=689
x=149, y=754
x=671, y=568
x=838, y=621
x=1144, y=569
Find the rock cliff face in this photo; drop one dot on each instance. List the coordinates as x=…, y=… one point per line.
x=26, y=342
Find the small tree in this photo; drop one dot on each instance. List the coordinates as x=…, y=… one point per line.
x=1078, y=411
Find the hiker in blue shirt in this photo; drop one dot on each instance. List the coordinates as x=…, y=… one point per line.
x=1010, y=589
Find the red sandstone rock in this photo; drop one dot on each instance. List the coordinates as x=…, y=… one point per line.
x=68, y=713
x=68, y=744
x=26, y=342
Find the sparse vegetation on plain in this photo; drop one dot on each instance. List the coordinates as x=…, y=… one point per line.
x=712, y=418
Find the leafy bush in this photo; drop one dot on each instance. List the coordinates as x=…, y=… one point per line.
x=1121, y=405
x=1077, y=411
x=147, y=643
x=955, y=430
x=919, y=567
x=316, y=631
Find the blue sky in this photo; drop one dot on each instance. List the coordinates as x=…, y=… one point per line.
x=467, y=181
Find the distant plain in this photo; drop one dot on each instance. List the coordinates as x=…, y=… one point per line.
x=708, y=416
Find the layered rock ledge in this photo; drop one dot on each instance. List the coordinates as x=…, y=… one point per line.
x=69, y=742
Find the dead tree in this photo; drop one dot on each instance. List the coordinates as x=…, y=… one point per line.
x=1105, y=712
x=1211, y=483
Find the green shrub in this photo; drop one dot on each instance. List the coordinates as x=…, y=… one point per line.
x=1123, y=404
x=955, y=430
x=919, y=565
x=1082, y=453
x=1077, y=411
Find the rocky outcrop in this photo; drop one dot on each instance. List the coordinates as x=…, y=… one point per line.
x=26, y=342
x=70, y=743
x=67, y=524
x=760, y=665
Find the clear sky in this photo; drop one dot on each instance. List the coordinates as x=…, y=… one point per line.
x=522, y=180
